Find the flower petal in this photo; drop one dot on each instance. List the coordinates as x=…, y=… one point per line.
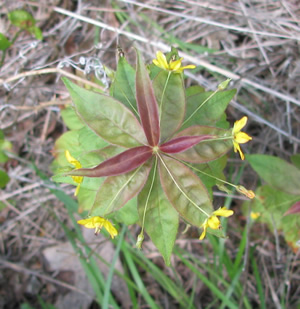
x=190, y=66
x=175, y=65
x=241, y=153
x=214, y=222
x=239, y=124
x=242, y=138
x=77, y=189
x=161, y=60
x=110, y=229
x=92, y=222
x=236, y=146
x=72, y=160
x=223, y=212
x=205, y=226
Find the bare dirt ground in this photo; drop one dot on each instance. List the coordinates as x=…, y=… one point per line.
x=256, y=43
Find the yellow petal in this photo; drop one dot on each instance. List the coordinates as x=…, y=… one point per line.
x=175, y=65
x=190, y=66
x=242, y=138
x=77, y=190
x=237, y=148
x=204, y=231
x=255, y=215
x=158, y=64
x=241, y=153
x=223, y=212
x=110, y=229
x=239, y=124
x=213, y=222
x=92, y=222
x=72, y=160
x=77, y=179
x=161, y=61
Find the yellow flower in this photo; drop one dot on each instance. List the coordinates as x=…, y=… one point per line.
x=76, y=164
x=97, y=223
x=213, y=221
x=173, y=65
x=255, y=215
x=240, y=137
x=243, y=190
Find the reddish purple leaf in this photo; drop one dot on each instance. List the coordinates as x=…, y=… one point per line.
x=119, y=164
x=147, y=104
x=182, y=143
x=295, y=209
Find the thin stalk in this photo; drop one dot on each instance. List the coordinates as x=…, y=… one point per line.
x=147, y=200
x=206, y=174
x=120, y=190
x=163, y=94
x=131, y=105
x=105, y=301
x=201, y=105
x=177, y=185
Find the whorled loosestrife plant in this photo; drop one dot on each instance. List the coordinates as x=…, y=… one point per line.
x=156, y=140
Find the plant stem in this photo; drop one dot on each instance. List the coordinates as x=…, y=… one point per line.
x=147, y=200
x=195, y=111
x=117, y=194
x=197, y=170
x=177, y=185
x=163, y=94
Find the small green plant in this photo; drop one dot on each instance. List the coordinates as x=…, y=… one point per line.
x=277, y=203
x=150, y=152
x=5, y=146
x=25, y=22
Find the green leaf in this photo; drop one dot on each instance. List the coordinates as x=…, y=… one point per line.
x=84, y=145
x=123, y=86
x=116, y=191
x=208, y=150
x=4, y=42
x=87, y=159
x=272, y=204
x=2, y=206
x=185, y=191
x=71, y=119
x=5, y=146
x=107, y=117
x=87, y=183
x=21, y=19
x=95, y=157
x=170, y=96
x=89, y=140
x=128, y=214
x=161, y=219
x=276, y=172
x=295, y=159
x=193, y=90
x=37, y=32
x=68, y=141
x=211, y=111
x=214, y=168
x=4, y=179
x=86, y=198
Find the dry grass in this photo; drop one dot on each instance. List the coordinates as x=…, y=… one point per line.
x=256, y=43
